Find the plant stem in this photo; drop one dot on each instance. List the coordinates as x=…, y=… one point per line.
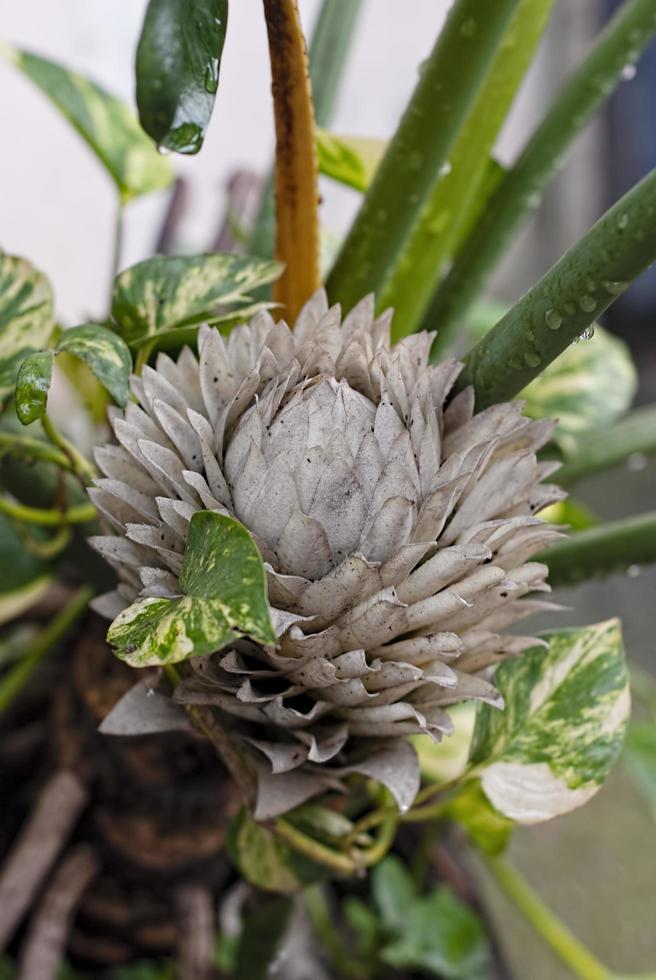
x=14, y=682
x=117, y=250
x=296, y=174
x=420, y=147
x=554, y=932
x=329, y=47
x=47, y=518
x=313, y=849
x=605, y=448
x=81, y=467
x=456, y=194
x=567, y=300
x=26, y=447
x=520, y=191
x=602, y=550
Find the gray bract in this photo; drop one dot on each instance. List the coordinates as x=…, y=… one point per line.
x=396, y=531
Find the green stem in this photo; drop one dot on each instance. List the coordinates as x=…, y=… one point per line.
x=314, y=850
x=117, y=250
x=81, y=467
x=602, y=550
x=521, y=189
x=48, y=549
x=456, y=196
x=567, y=300
x=13, y=683
x=25, y=447
x=608, y=447
x=428, y=129
x=47, y=518
x=554, y=932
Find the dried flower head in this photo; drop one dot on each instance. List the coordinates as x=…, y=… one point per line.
x=396, y=531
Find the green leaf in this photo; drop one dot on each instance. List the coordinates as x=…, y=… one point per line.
x=640, y=758
x=350, y=160
x=393, y=892
x=267, y=861
x=223, y=587
x=168, y=292
x=590, y=385
x=23, y=576
x=105, y=123
x=32, y=386
x=441, y=935
x=487, y=828
x=263, y=933
x=566, y=710
x=107, y=355
x=26, y=316
x=178, y=61
x=571, y=512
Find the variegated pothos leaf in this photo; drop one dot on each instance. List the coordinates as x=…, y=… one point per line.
x=223, y=596
x=26, y=316
x=106, y=354
x=566, y=710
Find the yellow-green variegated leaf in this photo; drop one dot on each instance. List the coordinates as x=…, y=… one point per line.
x=566, y=710
x=223, y=595
x=105, y=353
x=168, y=292
x=106, y=124
x=350, y=160
x=26, y=316
x=590, y=385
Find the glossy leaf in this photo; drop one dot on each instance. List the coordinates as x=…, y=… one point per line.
x=267, y=861
x=640, y=759
x=164, y=293
x=106, y=354
x=566, y=709
x=33, y=385
x=26, y=316
x=105, y=123
x=590, y=385
x=178, y=62
x=223, y=588
x=350, y=160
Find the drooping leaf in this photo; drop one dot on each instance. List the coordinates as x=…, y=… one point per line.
x=350, y=160
x=164, y=293
x=33, y=385
x=566, y=709
x=640, y=758
x=590, y=385
x=105, y=123
x=267, y=861
x=107, y=355
x=223, y=588
x=26, y=316
x=178, y=62
x=262, y=936
x=487, y=828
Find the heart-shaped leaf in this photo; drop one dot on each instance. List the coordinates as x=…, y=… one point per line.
x=223, y=586
x=106, y=354
x=33, y=385
x=566, y=710
x=178, y=61
x=26, y=316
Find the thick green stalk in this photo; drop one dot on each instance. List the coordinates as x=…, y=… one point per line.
x=329, y=48
x=555, y=933
x=449, y=81
x=521, y=189
x=610, y=547
x=457, y=192
x=48, y=517
x=567, y=300
x=14, y=682
x=605, y=448
x=26, y=447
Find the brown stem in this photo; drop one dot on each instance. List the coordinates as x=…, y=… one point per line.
x=196, y=932
x=45, y=943
x=57, y=809
x=297, y=195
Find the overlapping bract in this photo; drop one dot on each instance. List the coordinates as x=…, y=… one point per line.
x=397, y=534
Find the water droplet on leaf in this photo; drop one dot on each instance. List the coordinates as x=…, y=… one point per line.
x=553, y=319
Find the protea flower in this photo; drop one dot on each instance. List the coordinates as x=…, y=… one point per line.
x=396, y=531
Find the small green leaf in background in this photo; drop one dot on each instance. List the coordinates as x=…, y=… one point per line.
x=570, y=512
x=267, y=861
x=23, y=576
x=590, y=385
x=105, y=123
x=223, y=585
x=262, y=936
x=350, y=160
x=106, y=354
x=487, y=828
x=640, y=758
x=178, y=61
x=26, y=316
x=33, y=385
x=566, y=710
x=437, y=933
x=160, y=295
